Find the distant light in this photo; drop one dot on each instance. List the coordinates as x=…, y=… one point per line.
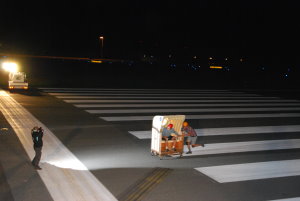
x=96, y=61
x=195, y=57
x=210, y=58
x=226, y=59
x=216, y=67
x=101, y=37
x=10, y=67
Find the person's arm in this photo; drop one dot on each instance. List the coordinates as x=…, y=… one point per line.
x=42, y=131
x=184, y=132
x=163, y=133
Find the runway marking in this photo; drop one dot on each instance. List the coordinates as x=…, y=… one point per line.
x=135, y=89
x=246, y=146
x=65, y=177
x=185, y=105
x=143, y=187
x=288, y=199
x=146, y=92
x=229, y=131
x=177, y=100
x=171, y=96
x=252, y=171
x=192, y=110
x=208, y=116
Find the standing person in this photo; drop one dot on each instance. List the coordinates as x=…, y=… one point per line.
x=37, y=137
x=191, y=136
x=169, y=133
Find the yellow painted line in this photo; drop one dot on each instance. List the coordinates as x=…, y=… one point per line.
x=146, y=185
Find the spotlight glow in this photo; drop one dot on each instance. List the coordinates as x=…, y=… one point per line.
x=68, y=163
x=10, y=67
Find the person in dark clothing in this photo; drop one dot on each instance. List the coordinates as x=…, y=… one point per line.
x=37, y=137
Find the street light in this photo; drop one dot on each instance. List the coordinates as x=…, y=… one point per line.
x=101, y=43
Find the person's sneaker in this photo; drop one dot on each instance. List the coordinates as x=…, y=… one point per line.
x=189, y=152
x=203, y=145
x=37, y=167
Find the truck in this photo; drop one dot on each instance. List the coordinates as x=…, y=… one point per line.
x=17, y=80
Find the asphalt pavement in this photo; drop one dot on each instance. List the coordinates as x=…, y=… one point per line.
x=122, y=162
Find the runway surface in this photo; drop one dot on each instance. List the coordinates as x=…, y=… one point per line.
x=252, y=141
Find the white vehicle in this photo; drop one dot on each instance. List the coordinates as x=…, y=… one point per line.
x=17, y=80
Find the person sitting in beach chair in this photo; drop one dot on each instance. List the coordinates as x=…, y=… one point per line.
x=168, y=133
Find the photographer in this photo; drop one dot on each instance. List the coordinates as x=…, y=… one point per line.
x=37, y=137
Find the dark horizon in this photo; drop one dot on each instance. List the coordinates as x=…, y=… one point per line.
x=135, y=28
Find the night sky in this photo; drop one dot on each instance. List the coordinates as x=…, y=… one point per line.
x=131, y=28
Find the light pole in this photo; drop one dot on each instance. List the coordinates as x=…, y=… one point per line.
x=101, y=43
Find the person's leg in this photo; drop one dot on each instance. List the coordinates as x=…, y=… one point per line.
x=188, y=143
x=37, y=158
x=39, y=155
x=167, y=143
x=34, y=159
x=189, y=146
x=174, y=143
x=193, y=142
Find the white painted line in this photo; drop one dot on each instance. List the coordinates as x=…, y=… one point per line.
x=54, y=92
x=252, y=171
x=177, y=100
x=159, y=93
x=192, y=110
x=209, y=116
x=288, y=199
x=172, y=95
x=230, y=131
x=247, y=146
x=65, y=177
x=187, y=105
x=135, y=89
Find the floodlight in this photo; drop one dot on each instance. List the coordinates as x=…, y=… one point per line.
x=10, y=67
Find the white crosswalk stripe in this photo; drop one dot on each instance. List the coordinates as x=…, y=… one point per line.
x=131, y=105
x=179, y=100
x=288, y=199
x=230, y=131
x=252, y=171
x=193, y=110
x=208, y=116
x=184, y=105
x=161, y=94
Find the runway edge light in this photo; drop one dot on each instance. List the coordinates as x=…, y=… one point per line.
x=215, y=67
